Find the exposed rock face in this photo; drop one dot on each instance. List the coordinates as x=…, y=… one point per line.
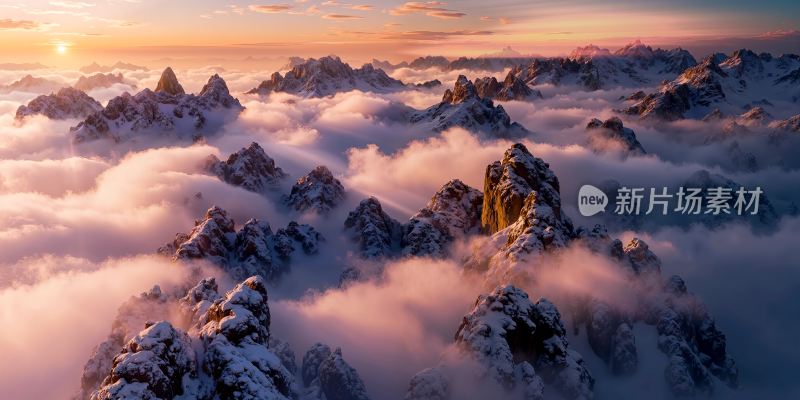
x=328, y=376
x=306, y=235
x=254, y=251
x=235, y=340
x=741, y=160
x=465, y=108
x=516, y=89
x=688, y=335
x=715, y=115
x=169, y=83
x=250, y=168
x=611, y=132
x=508, y=183
x=767, y=216
x=624, y=359
x=328, y=76
x=512, y=88
x=282, y=350
x=67, y=103
x=241, y=359
x=125, y=116
x=677, y=60
x=731, y=129
x=450, y=214
x=429, y=84
x=697, y=86
x=312, y=360
x=152, y=365
x=373, y=229
x=505, y=327
x=99, y=81
x=423, y=63
x=791, y=124
x=592, y=67
x=429, y=384
x=208, y=240
x=315, y=193
x=718, y=80
x=131, y=317
x=194, y=306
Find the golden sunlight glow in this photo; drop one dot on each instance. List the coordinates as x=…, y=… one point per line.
x=61, y=49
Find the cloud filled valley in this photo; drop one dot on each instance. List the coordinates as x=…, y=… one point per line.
x=431, y=196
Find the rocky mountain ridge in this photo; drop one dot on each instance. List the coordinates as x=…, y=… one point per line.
x=463, y=107
x=241, y=358
x=327, y=76
x=161, y=113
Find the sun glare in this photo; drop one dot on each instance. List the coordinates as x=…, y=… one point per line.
x=61, y=49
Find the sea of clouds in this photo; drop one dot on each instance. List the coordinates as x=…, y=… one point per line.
x=80, y=224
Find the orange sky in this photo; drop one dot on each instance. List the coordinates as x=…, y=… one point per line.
x=147, y=30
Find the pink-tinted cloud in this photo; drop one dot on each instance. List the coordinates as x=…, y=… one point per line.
x=340, y=16
x=780, y=34
x=505, y=21
x=272, y=8
x=18, y=25
x=430, y=8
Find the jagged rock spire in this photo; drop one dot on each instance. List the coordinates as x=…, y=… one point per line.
x=169, y=83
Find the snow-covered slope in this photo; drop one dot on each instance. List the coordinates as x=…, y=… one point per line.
x=315, y=193
x=327, y=76
x=453, y=212
x=228, y=352
x=593, y=68
x=732, y=86
x=162, y=114
x=504, y=337
x=253, y=250
x=250, y=168
x=67, y=103
x=463, y=107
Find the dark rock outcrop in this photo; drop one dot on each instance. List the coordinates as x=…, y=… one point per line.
x=125, y=116
x=131, y=317
x=372, y=229
x=250, y=168
x=507, y=184
x=451, y=214
x=326, y=373
x=505, y=327
x=611, y=132
x=316, y=193
x=463, y=107
x=169, y=83
x=255, y=250
x=153, y=364
x=328, y=76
